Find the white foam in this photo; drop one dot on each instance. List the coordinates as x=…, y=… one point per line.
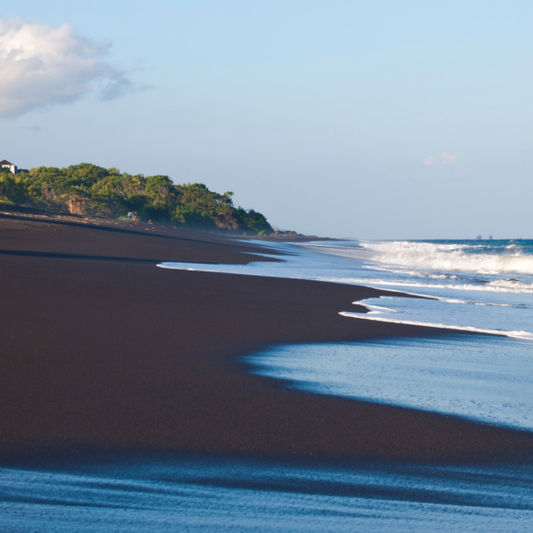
x=501, y=287
x=456, y=301
x=378, y=308
x=523, y=335
x=433, y=257
x=448, y=257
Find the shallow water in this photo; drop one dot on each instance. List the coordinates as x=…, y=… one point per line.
x=214, y=494
x=483, y=378
x=467, y=285
x=476, y=286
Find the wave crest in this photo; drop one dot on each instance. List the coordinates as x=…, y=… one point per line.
x=480, y=259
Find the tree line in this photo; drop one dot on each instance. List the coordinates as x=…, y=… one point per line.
x=93, y=190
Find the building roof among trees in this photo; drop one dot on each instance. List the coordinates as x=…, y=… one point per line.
x=5, y=162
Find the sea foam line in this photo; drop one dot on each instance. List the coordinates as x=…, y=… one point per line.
x=496, y=286
x=524, y=335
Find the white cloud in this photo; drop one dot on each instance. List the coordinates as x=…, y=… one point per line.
x=41, y=66
x=447, y=158
x=430, y=160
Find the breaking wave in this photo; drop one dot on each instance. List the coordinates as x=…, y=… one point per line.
x=454, y=257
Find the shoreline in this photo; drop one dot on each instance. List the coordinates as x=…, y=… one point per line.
x=107, y=353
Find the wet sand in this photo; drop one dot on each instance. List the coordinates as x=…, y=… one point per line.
x=104, y=352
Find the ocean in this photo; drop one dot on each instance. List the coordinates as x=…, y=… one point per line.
x=191, y=494
x=484, y=287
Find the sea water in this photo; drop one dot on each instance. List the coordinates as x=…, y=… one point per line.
x=192, y=494
x=477, y=286
x=483, y=287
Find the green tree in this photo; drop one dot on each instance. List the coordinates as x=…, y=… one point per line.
x=110, y=193
x=12, y=188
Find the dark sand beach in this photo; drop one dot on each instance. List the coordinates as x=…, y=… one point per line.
x=102, y=351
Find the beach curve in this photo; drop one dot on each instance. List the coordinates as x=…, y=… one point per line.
x=105, y=352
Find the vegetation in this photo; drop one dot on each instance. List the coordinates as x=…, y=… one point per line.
x=94, y=190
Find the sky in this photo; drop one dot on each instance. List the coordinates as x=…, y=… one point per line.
x=373, y=120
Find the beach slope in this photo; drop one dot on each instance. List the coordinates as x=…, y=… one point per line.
x=104, y=352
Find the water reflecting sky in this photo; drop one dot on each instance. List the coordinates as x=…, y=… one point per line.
x=214, y=494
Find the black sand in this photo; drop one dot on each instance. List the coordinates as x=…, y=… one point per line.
x=103, y=351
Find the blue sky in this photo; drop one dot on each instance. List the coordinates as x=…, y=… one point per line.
x=383, y=119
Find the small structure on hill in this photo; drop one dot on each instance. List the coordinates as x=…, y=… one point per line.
x=6, y=164
x=11, y=167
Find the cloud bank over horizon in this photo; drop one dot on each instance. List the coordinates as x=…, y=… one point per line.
x=41, y=66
